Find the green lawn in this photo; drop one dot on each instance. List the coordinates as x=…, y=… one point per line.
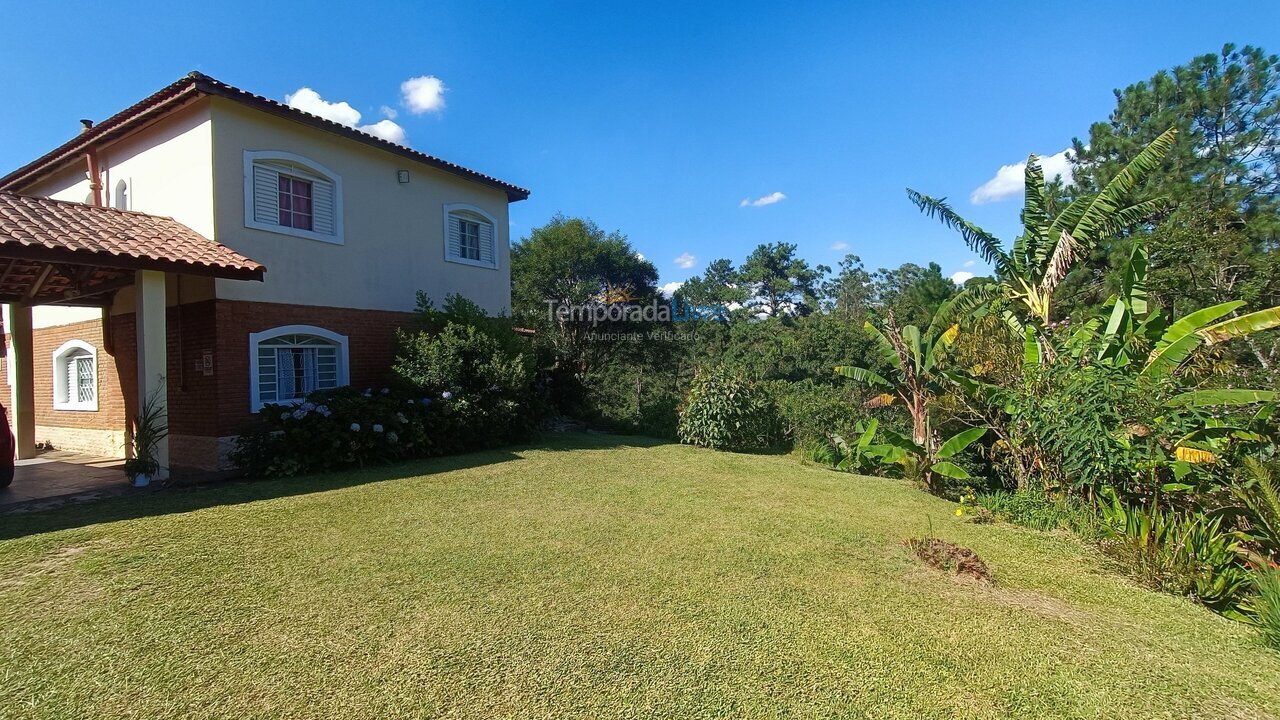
x=592, y=576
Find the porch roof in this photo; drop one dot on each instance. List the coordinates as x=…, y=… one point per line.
x=56, y=251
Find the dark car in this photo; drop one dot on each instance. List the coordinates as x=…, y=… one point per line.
x=6, y=449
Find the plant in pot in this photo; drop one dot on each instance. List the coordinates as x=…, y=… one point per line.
x=149, y=428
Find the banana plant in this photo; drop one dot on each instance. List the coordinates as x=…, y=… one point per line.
x=913, y=357
x=863, y=454
x=1041, y=257
x=1134, y=331
x=925, y=460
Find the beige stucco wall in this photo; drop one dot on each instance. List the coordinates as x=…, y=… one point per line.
x=393, y=233
x=168, y=168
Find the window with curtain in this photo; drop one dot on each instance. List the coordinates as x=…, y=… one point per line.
x=287, y=366
x=288, y=194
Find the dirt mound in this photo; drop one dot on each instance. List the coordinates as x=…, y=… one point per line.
x=950, y=557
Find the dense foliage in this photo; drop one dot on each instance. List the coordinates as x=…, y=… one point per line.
x=726, y=411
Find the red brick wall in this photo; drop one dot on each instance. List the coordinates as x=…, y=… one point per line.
x=111, y=410
x=370, y=342
x=204, y=407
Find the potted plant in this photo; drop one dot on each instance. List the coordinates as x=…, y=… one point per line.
x=149, y=428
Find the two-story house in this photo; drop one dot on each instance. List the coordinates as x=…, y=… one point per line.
x=347, y=226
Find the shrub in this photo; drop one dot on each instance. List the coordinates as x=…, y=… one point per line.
x=1190, y=555
x=812, y=412
x=1266, y=606
x=460, y=358
x=346, y=427
x=726, y=411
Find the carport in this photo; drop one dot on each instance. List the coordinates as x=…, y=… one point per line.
x=55, y=252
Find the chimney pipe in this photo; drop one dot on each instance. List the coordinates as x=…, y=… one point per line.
x=86, y=125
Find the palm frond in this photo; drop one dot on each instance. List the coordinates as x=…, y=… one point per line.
x=1135, y=214
x=1035, y=211
x=883, y=346
x=978, y=240
x=1135, y=280
x=1182, y=337
x=862, y=375
x=1064, y=257
x=1241, y=326
x=1102, y=209
x=963, y=304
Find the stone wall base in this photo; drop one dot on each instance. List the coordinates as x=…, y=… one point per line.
x=90, y=441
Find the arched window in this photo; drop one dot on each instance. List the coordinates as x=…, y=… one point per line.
x=287, y=363
x=289, y=194
x=121, y=199
x=75, y=377
x=469, y=236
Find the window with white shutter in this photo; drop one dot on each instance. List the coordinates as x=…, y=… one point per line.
x=75, y=377
x=288, y=363
x=470, y=236
x=291, y=195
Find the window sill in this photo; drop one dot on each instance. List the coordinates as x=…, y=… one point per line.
x=295, y=232
x=472, y=263
x=70, y=407
x=260, y=405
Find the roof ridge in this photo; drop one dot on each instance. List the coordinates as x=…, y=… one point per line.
x=200, y=82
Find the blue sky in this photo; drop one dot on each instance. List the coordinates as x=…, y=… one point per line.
x=658, y=119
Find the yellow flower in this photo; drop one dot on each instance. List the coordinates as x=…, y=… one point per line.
x=959, y=512
x=1194, y=455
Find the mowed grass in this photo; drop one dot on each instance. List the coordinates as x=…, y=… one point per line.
x=591, y=576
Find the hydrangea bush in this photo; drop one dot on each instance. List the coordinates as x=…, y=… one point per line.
x=348, y=427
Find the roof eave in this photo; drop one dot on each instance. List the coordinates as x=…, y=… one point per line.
x=197, y=84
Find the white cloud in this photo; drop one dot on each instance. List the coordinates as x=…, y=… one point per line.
x=1009, y=179
x=386, y=130
x=670, y=288
x=685, y=261
x=840, y=246
x=769, y=199
x=970, y=263
x=423, y=94
x=640, y=256
x=309, y=100
x=960, y=276
x=388, y=112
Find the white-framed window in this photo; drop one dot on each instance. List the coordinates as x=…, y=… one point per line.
x=470, y=236
x=75, y=377
x=289, y=194
x=288, y=362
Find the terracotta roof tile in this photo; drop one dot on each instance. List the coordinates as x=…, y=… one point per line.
x=57, y=230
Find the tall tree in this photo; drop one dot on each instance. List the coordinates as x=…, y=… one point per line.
x=911, y=292
x=848, y=293
x=778, y=282
x=571, y=262
x=1223, y=175
x=718, y=285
